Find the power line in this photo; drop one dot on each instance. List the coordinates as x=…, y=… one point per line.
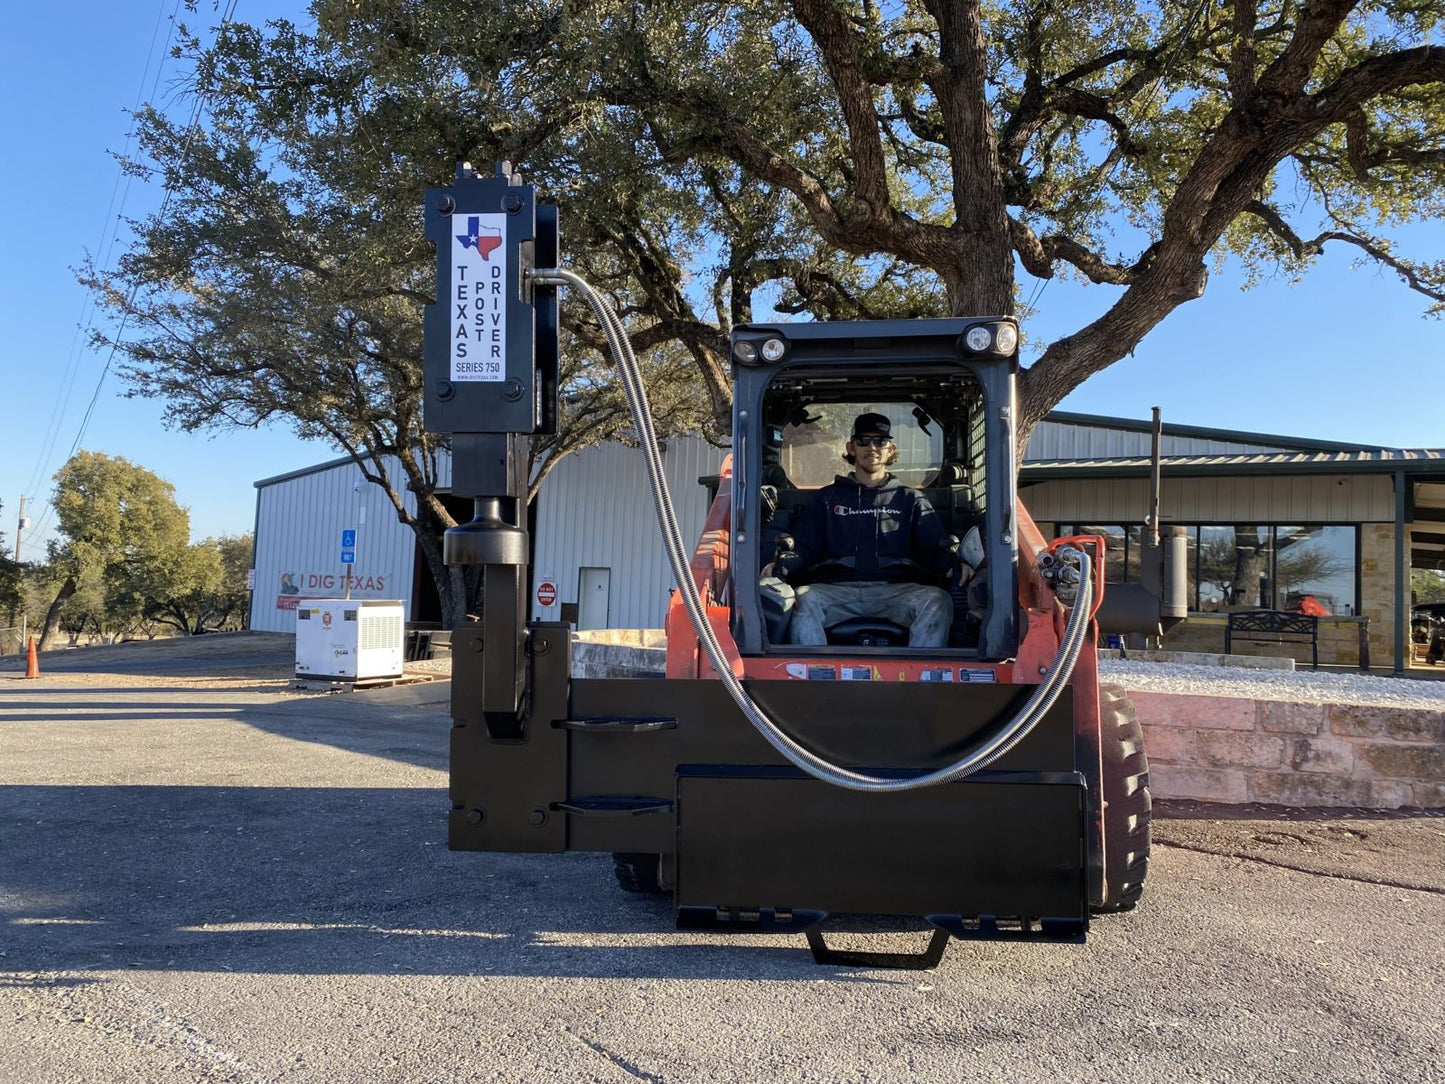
x=87, y=308
x=192, y=127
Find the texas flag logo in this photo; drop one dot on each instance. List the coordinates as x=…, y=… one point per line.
x=484, y=243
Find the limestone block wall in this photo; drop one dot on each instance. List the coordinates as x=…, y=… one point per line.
x=1377, y=588
x=1228, y=749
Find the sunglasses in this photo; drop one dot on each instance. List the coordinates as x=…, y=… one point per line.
x=872, y=442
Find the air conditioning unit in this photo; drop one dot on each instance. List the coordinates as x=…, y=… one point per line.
x=349, y=639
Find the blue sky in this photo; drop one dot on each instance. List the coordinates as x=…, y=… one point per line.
x=1343, y=356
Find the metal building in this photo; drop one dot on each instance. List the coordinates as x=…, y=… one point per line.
x=300, y=517
x=596, y=538
x=1363, y=515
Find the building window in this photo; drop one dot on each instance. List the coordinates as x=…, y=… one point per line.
x=1315, y=569
x=1304, y=569
x=1115, y=546
x=1235, y=568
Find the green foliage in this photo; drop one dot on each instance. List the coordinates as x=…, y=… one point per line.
x=11, y=595
x=122, y=563
x=118, y=529
x=114, y=519
x=206, y=591
x=1427, y=585
x=820, y=158
x=839, y=158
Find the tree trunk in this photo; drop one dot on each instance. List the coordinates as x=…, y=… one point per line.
x=52, y=615
x=1251, y=569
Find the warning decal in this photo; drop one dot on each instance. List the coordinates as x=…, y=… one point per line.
x=479, y=298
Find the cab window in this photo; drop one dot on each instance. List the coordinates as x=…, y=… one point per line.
x=813, y=444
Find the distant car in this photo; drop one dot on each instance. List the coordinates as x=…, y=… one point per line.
x=1427, y=629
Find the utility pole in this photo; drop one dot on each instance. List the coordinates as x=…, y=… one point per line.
x=20, y=528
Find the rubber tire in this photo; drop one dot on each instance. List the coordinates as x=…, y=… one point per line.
x=1127, y=805
x=637, y=872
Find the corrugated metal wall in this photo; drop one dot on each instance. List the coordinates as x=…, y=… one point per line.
x=1296, y=499
x=595, y=511
x=1069, y=440
x=299, y=521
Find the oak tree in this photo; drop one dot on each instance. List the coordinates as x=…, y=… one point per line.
x=117, y=525
x=719, y=162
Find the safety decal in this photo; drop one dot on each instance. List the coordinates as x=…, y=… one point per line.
x=821, y=673
x=857, y=673
x=986, y=677
x=936, y=675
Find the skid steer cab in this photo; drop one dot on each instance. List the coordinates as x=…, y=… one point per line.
x=780, y=773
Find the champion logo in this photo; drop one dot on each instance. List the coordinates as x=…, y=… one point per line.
x=844, y=510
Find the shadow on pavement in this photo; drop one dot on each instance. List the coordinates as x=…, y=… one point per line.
x=321, y=881
x=217, y=655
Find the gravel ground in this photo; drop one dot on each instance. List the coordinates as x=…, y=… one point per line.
x=1295, y=686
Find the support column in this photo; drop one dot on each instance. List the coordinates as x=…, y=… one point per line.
x=1402, y=589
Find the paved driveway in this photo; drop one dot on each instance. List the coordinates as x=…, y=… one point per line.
x=236, y=885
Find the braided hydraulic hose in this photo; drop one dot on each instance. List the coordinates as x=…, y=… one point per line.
x=1004, y=739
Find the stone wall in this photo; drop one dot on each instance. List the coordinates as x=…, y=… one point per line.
x=1377, y=589
x=1227, y=749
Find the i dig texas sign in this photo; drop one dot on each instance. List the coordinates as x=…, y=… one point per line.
x=479, y=299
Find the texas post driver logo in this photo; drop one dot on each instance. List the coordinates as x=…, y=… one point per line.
x=478, y=300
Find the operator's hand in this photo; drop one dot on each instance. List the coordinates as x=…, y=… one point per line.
x=965, y=573
x=767, y=570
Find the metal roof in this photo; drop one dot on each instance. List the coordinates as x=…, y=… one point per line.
x=1318, y=456
x=301, y=472
x=1356, y=461
x=1238, y=436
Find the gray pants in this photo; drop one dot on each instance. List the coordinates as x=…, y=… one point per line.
x=927, y=612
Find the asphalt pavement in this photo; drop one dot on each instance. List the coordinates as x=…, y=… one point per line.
x=243, y=884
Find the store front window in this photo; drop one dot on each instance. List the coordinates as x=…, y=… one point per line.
x=1315, y=570
x=1302, y=569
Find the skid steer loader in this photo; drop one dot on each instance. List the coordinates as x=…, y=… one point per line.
x=989, y=786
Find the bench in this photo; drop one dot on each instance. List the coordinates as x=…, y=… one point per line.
x=1274, y=627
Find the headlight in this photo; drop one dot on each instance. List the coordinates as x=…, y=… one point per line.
x=745, y=352
x=1000, y=338
x=978, y=339
x=774, y=349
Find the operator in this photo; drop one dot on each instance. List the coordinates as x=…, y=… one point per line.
x=861, y=540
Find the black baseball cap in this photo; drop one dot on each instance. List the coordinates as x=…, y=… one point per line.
x=866, y=424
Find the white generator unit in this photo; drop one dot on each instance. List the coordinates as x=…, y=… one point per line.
x=349, y=639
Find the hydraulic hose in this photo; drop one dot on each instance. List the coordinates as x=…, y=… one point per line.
x=1001, y=742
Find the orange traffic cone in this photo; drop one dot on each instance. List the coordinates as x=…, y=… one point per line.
x=32, y=661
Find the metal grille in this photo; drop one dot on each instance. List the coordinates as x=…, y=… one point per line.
x=977, y=456
x=380, y=632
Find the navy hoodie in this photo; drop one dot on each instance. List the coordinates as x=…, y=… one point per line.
x=851, y=532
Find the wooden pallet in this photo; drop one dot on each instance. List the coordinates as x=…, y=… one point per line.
x=365, y=685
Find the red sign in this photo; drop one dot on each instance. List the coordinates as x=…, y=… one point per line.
x=546, y=593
